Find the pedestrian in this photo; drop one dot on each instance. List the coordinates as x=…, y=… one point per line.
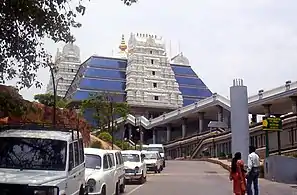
x=253, y=171
x=237, y=175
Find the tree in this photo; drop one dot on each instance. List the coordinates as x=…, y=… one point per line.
x=48, y=100
x=104, y=109
x=23, y=26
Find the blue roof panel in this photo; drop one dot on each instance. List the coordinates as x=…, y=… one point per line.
x=102, y=85
x=105, y=73
x=183, y=70
x=107, y=63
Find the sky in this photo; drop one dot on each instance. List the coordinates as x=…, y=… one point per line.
x=255, y=40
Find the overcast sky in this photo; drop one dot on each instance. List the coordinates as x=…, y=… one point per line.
x=224, y=39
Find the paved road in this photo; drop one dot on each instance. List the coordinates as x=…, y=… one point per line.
x=195, y=178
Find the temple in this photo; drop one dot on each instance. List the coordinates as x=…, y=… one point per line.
x=141, y=74
x=66, y=64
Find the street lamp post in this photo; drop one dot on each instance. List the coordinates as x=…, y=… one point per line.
x=53, y=70
x=137, y=129
x=112, y=118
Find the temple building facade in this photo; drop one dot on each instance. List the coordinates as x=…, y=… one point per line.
x=143, y=75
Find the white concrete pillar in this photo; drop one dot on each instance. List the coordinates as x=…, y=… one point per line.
x=294, y=104
x=184, y=127
x=201, y=121
x=154, y=136
x=168, y=135
x=220, y=115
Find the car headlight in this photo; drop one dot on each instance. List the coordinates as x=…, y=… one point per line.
x=91, y=185
x=49, y=191
x=137, y=169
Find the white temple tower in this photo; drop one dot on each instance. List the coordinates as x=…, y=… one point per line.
x=67, y=63
x=150, y=80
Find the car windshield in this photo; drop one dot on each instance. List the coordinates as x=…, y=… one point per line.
x=32, y=153
x=159, y=149
x=131, y=157
x=93, y=161
x=150, y=156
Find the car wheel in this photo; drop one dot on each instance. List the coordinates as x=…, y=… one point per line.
x=81, y=191
x=103, y=191
x=117, y=192
x=122, y=188
x=142, y=179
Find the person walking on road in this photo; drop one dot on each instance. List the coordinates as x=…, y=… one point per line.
x=237, y=175
x=253, y=171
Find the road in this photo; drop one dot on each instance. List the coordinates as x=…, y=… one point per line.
x=196, y=177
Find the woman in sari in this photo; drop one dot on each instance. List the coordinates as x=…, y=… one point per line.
x=237, y=175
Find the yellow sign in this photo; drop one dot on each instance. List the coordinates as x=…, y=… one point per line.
x=272, y=124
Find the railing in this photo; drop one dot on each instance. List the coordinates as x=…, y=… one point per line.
x=206, y=137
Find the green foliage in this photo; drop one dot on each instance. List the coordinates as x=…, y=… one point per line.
x=123, y=145
x=105, y=109
x=96, y=144
x=23, y=26
x=48, y=100
x=12, y=106
x=105, y=136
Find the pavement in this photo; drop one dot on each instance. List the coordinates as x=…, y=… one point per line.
x=198, y=178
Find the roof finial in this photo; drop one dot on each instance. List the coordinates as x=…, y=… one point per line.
x=123, y=45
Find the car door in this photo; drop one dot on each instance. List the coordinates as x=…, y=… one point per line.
x=71, y=181
x=111, y=175
x=107, y=174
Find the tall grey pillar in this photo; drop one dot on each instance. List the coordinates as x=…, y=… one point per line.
x=201, y=120
x=220, y=113
x=168, y=135
x=184, y=127
x=154, y=136
x=239, y=119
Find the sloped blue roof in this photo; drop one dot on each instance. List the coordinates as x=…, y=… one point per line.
x=101, y=74
x=191, y=86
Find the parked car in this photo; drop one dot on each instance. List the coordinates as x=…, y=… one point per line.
x=159, y=148
x=100, y=172
x=118, y=162
x=41, y=159
x=135, y=168
x=153, y=161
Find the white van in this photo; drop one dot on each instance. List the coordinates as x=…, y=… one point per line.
x=118, y=162
x=41, y=159
x=159, y=148
x=100, y=172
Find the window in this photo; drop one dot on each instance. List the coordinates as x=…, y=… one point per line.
x=76, y=154
x=117, y=158
x=93, y=161
x=72, y=70
x=110, y=162
x=153, y=73
x=81, y=151
x=103, y=85
x=152, y=61
x=112, y=159
x=105, y=73
x=155, y=85
x=71, y=162
x=105, y=162
x=156, y=97
x=151, y=52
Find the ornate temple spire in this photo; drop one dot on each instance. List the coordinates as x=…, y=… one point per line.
x=123, y=47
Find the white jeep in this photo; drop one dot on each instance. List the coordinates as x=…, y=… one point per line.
x=37, y=160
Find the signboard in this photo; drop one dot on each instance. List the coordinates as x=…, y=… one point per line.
x=272, y=124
